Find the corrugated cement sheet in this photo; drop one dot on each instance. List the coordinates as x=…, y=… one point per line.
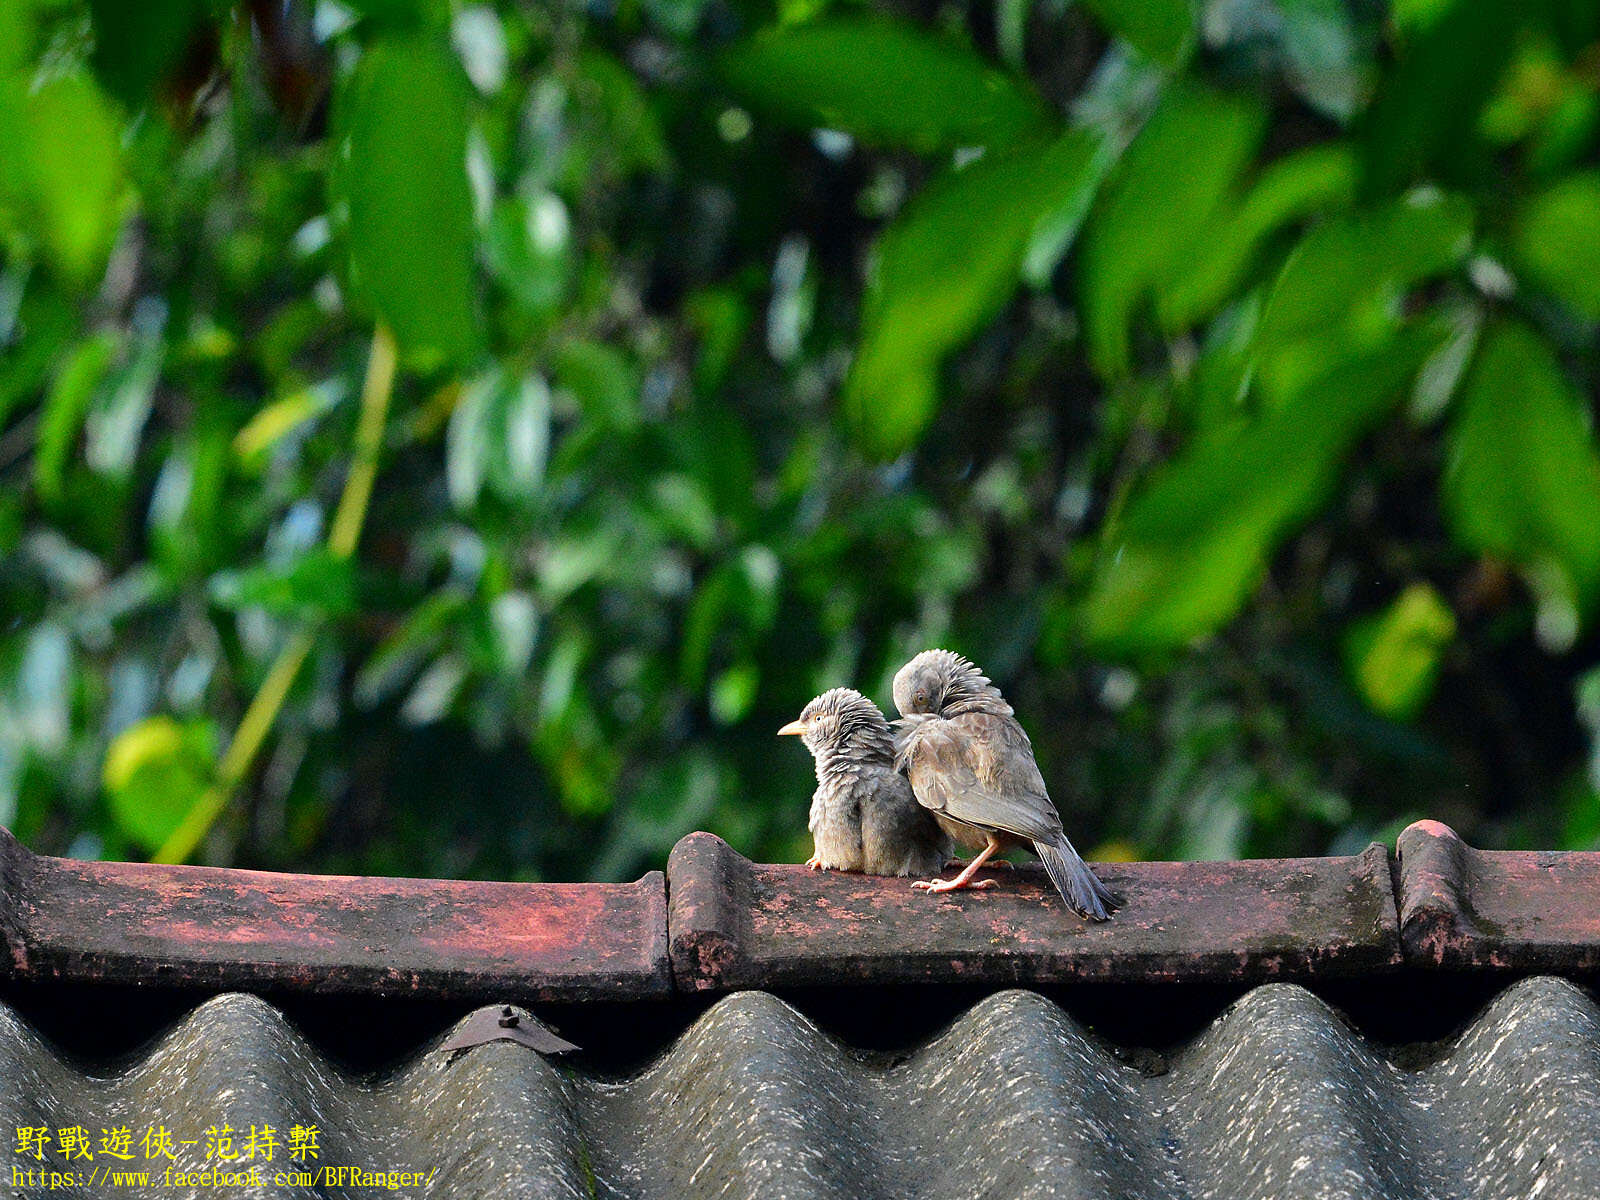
x=1278, y=1099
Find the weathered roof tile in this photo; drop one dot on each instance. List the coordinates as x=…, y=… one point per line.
x=221, y=928
x=1497, y=909
x=734, y=923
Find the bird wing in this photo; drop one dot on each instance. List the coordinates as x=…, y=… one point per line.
x=965, y=770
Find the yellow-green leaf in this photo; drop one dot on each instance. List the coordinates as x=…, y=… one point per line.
x=1393, y=657
x=154, y=772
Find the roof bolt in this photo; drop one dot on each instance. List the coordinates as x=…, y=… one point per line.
x=508, y=1019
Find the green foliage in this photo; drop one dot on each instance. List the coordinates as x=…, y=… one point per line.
x=1558, y=242
x=1219, y=376
x=1163, y=29
x=411, y=236
x=136, y=45
x=62, y=171
x=884, y=82
x=154, y=772
x=1524, y=478
x=1152, y=219
x=1192, y=546
x=1394, y=655
x=950, y=261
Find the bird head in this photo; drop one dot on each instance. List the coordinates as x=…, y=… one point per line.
x=843, y=724
x=942, y=683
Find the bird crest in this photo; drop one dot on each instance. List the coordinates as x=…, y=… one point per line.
x=846, y=723
x=944, y=683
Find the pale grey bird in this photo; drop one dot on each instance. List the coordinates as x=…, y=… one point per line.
x=863, y=815
x=971, y=764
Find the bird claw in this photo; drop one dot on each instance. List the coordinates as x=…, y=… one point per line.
x=815, y=863
x=950, y=885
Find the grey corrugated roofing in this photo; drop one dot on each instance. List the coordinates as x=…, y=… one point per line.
x=1277, y=1099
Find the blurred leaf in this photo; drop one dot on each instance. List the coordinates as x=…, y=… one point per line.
x=1425, y=118
x=684, y=509
x=411, y=235
x=885, y=82
x=1162, y=29
x=479, y=37
x=526, y=247
x=66, y=408
x=1587, y=696
x=135, y=45
x=1523, y=481
x=42, y=690
x=318, y=583
x=1393, y=657
x=154, y=772
x=1324, y=64
x=401, y=655
x=186, y=505
x=617, y=116
x=602, y=381
x=1342, y=290
x=738, y=598
x=1295, y=186
x=499, y=435
x=276, y=421
x=16, y=34
x=515, y=621
x=434, y=693
x=401, y=15
x=680, y=18
x=943, y=268
x=118, y=413
x=1558, y=241
x=522, y=426
x=733, y=692
x=50, y=321
x=569, y=562
x=1196, y=539
x=1346, y=260
x=63, y=170
x=1146, y=229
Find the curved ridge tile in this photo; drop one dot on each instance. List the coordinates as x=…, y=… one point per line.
x=753, y=1100
x=236, y=1062
x=495, y=1120
x=1028, y=1104
x=1521, y=1090
x=1278, y=1099
x=1280, y=1083
x=36, y=1086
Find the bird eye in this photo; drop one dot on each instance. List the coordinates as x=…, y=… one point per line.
x=921, y=699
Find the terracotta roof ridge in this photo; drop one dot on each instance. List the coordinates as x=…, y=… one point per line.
x=715, y=921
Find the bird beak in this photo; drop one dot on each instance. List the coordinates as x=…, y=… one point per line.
x=794, y=727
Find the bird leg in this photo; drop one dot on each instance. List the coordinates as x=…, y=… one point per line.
x=815, y=863
x=963, y=880
x=998, y=864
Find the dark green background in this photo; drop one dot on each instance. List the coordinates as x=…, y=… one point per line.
x=1220, y=379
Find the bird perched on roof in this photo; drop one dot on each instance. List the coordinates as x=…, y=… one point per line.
x=863, y=815
x=971, y=764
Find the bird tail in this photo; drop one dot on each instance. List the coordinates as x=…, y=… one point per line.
x=1078, y=885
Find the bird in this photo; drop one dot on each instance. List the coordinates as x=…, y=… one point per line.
x=970, y=763
x=863, y=815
